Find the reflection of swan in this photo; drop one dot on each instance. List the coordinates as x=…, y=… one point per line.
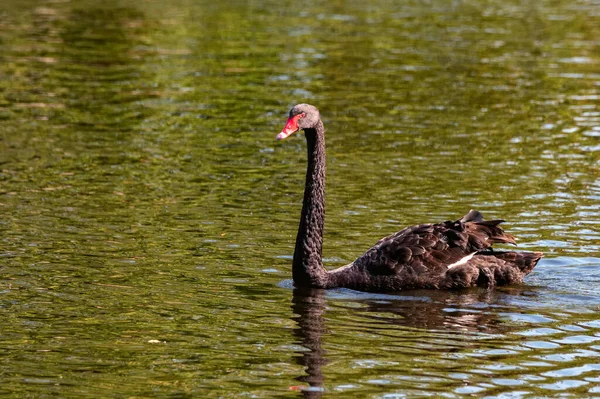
x=428, y=311
x=439, y=310
x=309, y=305
x=444, y=255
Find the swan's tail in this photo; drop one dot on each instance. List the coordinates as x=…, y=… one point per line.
x=524, y=261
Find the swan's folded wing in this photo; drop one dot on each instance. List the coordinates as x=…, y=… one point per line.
x=431, y=248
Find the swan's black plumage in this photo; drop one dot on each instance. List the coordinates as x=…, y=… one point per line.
x=437, y=256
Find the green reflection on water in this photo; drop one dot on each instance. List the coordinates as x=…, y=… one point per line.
x=148, y=213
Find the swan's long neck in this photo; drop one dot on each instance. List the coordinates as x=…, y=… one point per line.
x=307, y=267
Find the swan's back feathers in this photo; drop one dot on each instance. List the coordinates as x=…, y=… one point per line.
x=433, y=248
x=472, y=216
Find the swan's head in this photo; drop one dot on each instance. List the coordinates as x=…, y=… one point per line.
x=302, y=116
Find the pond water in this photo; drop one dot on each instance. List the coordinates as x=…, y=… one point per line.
x=149, y=215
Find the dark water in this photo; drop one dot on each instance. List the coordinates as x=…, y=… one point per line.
x=148, y=215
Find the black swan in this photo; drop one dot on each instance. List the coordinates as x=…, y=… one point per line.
x=431, y=256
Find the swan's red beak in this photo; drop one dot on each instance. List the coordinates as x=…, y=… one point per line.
x=290, y=127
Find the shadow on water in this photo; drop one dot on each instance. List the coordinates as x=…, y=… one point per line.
x=560, y=286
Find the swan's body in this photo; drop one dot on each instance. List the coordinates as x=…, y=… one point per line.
x=438, y=256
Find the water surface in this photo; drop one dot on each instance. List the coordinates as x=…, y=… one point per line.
x=148, y=214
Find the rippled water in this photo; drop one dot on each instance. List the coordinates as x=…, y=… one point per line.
x=148, y=214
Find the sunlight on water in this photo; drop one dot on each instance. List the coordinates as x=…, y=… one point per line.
x=149, y=215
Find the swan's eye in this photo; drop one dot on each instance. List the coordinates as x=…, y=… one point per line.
x=302, y=115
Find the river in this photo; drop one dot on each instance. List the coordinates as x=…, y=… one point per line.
x=149, y=214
